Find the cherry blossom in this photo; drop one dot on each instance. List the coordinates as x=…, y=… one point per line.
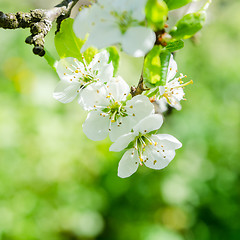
x=172, y=93
x=110, y=111
x=110, y=22
x=144, y=147
x=76, y=76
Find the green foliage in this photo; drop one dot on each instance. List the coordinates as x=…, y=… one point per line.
x=66, y=42
x=164, y=59
x=188, y=25
x=156, y=13
x=152, y=67
x=114, y=58
x=156, y=67
x=175, y=45
x=89, y=53
x=174, y=4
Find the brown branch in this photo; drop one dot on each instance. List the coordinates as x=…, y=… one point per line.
x=39, y=21
x=139, y=89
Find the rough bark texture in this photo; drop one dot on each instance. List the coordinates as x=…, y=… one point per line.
x=39, y=21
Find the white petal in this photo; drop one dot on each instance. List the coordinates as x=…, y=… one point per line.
x=168, y=141
x=105, y=34
x=120, y=129
x=101, y=65
x=106, y=73
x=156, y=160
x=138, y=41
x=66, y=91
x=128, y=164
x=139, y=107
x=161, y=90
x=98, y=60
x=162, y=104
x=122, y=142
x=66, y=68
x=148, y=124
x=94, y=95
x=138, y=9
x=96, y=127
x=172, y=69
x=118, y=89
x=176, y=104
x=85, y=21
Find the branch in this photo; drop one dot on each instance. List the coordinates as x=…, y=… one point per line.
x=139, y=89
x=39, y=21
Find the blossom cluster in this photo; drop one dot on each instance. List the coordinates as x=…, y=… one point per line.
x=129, y=120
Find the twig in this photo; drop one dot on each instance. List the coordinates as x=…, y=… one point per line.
x=39, y=21
x=139, y=89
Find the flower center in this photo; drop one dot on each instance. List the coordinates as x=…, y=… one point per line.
x=124, y=20
x=115, y=110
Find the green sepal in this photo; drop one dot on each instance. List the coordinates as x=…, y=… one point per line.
x=174, y=4
x=156, y=12
x=66, y=42
x=114, y=58
x=175, y=45
x=188, y=25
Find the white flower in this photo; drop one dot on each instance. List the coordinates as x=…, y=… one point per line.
x=110, y=22
x=172, y=93
x=110, y=112
x=75, y=75
x=154, y=150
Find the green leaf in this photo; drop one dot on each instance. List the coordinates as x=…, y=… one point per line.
x=156, y=13
x=152, y=67
x=66, y=42
x=188, y=25
x=165, y=59
x=174, y=4
x=114, y=58
x=175, y=45
x=89, y=54
x=156, y=67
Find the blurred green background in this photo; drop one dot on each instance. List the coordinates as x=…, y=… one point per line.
x=55, y=184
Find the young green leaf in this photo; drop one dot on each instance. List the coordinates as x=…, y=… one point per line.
x=156, y=13
x=174, y=4
x=114, y=58
x=188, y=25
x=156, y=67
x=152, y=67
x=66, y=43
x=175, y=45
x=165, y=59
x=89, y=54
